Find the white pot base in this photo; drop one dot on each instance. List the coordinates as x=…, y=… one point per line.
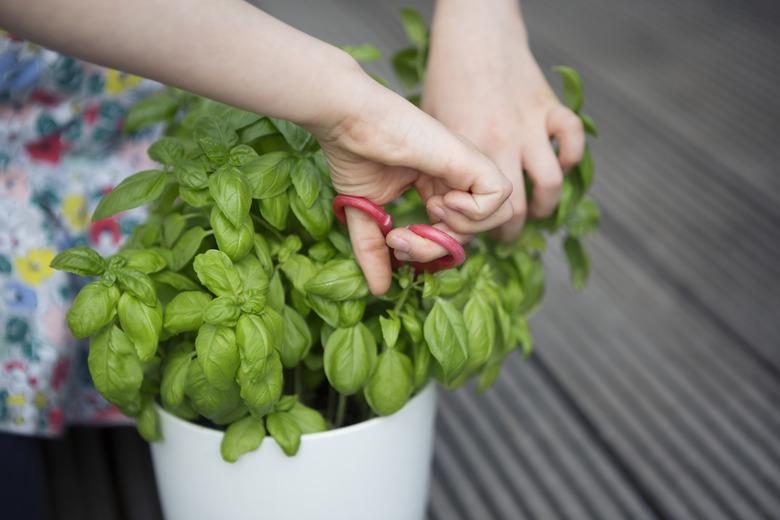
x=377, y=470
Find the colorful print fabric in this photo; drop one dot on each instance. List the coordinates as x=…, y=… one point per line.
x=61, y=147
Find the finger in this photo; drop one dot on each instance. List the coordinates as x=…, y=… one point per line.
x=432, y=149
x=370, y=249
x=409, y=246
x=509, y=162
x=566, y=127
x=543, y=169
x=461, y=223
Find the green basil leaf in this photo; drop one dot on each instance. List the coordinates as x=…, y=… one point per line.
x=167, y=150
x=340, y=242
x=157, y=108
x=350, y=355
x=275, y=210
x=174, y=378
x=134, y=191
x=268, y=175
x=218, y=354
x=241, y=155
x=223, y=310
x=585, y=169
x=449, y=282
x=488, y=376
x=583, y=219
x=138, y=284
x=276, y=292
x=148, y=422
x=295, y=136
x=286, y=403
x=308, y=419
x=503, y=329
x=306, y=180
x=297, y=338
x=173, y=226
x=186, y=247
x=579, y=262
x=480, y=323
x=114, y=365
x=175, y=280
x=351, y=312
x=299, y=302
x=405, y=67
x=79, y=260
x=209, y=401
x=236, y=242
x=589, y=125
x=261, y=382
x=317, y=219
x=195, y=198
x=322, y=251
x=391, y=384
x=339, y=280
x=391, y=327
x=362, y=53
x=260, y=128
x=325, y=309
x=412, y=325
x=191, y=175
x=299, y=270
x=572, y=87
x=522, y=333
x=422, y=364
x=185, y=311
x=215, y=138
x=93, y=308
x=231, y=194
x=415, y=27
x=431, y=287
x=254, y=301
x=252, y=274
x=291, y=245
x=216, y=272
x=141, y=323
x=446, y=336
x=147, y=261
x=243, y=436
x=285, y=431
x=263, y=252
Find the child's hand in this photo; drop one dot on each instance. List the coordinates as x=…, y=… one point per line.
x=484, y=83
x=385, y=145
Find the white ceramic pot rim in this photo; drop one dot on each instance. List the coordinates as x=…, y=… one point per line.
x=376, y=422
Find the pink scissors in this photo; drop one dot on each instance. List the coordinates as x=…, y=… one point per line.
x=385, y=221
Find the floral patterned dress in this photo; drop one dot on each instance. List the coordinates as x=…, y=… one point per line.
x=61, y=147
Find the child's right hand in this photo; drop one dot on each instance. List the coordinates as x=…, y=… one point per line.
x=383, y=145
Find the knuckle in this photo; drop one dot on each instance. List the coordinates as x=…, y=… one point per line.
x=370, y=246
x=550, y=183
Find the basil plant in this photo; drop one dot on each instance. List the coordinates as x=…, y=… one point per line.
x=238, y=302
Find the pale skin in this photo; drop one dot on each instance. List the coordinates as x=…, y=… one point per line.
x=510, y=112
x=377, y=144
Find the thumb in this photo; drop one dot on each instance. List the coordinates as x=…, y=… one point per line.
x=371, y=252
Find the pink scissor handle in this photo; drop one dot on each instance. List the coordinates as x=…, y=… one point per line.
x=385, y=221
x=456, y=252
x=375, y=211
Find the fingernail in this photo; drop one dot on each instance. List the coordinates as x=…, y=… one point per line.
x=437, y=211
x=399, y=244
x=402, y=256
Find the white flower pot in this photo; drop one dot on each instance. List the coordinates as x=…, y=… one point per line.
x=377, y=470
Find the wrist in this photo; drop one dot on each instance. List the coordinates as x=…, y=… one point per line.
x=483, y=17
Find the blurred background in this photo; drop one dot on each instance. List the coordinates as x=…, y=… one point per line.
x=655, y=393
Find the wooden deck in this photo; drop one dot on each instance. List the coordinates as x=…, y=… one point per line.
x=656, y=392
